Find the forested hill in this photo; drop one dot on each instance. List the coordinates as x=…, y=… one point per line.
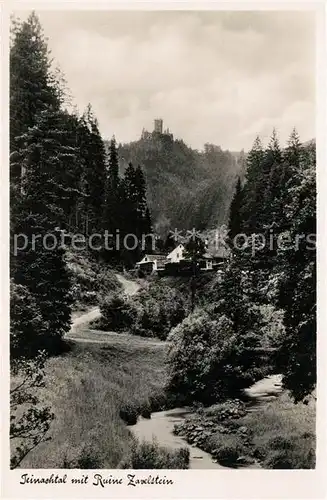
x=185, y=187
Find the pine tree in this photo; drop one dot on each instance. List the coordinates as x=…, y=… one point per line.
x=32, y=87
x=113, y=213
x=130, y=213
x=294, y=151
x=113, y=165
x=46, y=200
x=136, y=218
x=271, y=181
x=252, y=194
x=94, y=161
x=113, y=190
x=49, y=159
x=235, y=218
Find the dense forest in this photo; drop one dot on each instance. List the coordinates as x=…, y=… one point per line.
x=186, y=188
x=254, y=318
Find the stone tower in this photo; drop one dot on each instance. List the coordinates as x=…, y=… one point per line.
x=158, y=125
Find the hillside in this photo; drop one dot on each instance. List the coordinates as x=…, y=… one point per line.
x=186, y=188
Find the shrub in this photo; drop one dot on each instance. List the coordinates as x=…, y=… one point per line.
x=227, y=455
x=225, y=448
x=280, y=443
x=90, y=280
x=118, y=312
x=292, y=452
x=129, y=413
x=206, y=360
x=87, y=458
x=159, y=401
x=228, y=409
x=29, y=420
x=159, y=308
x=152, y=456
x=27, y=328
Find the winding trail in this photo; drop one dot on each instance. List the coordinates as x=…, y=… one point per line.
x=81, y=320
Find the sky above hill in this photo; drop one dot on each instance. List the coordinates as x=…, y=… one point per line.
x=219, y=77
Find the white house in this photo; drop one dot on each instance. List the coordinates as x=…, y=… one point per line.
x=207, y=262
x=179, y=252
x=176, y=255
x=151, y=262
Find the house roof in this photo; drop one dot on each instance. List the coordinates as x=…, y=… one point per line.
x=153, y=257
x=178, y=247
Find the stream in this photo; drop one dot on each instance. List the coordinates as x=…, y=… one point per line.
x=161, y=424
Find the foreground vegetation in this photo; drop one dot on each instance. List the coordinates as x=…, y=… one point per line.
x=277, y=434
x=88, y=389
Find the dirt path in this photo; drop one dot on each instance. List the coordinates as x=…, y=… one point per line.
x=129, y=288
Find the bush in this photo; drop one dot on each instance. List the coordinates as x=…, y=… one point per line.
x=292, y=452
x=28, y=330
x=129, y=413
x=29, y=420
x=227, y=455
x=228, y=409
x=152, y=456
x=225, y=448
x=159, y=308
x=118, y=312
x=90, y=280
x=206, y=360
x=87, y=459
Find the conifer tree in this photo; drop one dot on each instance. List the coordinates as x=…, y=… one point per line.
x=128, y=214
x=49, y=159
x=113, y=187
x=113, y=214
x=294, y=151
x=252, y=195
x=46, y=200
x=113, y=165
x=271, y=182
x=32, y=86
x=235, y=218
x=94, y=176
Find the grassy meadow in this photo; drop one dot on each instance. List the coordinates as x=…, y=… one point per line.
x=87, y=387
x=283, y=433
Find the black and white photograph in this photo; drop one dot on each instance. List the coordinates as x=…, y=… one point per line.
x=162, y=241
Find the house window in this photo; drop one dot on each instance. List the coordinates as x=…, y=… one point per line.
x=145, y=258
x=177, y=256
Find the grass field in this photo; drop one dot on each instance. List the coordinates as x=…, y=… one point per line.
x=87, y=387
x=283, y=433
x=278, y=434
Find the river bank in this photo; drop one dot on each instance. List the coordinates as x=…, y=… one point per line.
x=161, y=428
x=266, y=431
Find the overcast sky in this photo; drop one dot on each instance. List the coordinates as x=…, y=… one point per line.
x=220, y=77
